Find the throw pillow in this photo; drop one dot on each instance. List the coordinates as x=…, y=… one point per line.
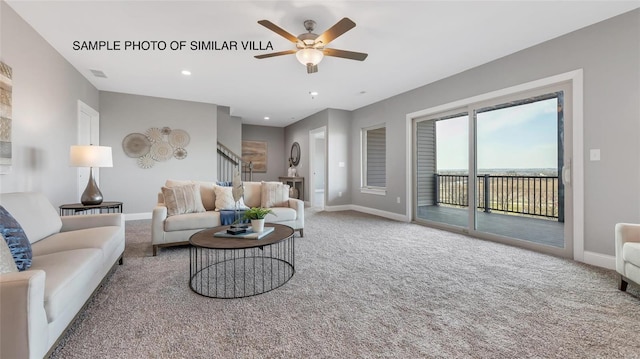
x=183, y=199
x=274, y=194
x=7, y=265
x=16, y=240
x=224, y=199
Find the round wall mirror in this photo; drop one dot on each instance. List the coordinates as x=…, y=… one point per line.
x=295, y=153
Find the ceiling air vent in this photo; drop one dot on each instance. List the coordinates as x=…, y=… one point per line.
x=98, y=73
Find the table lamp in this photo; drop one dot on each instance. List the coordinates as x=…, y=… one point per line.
x=90, y=156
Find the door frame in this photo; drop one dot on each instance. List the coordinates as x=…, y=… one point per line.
x=88, y=133
x=312, y=164
x=575, y=80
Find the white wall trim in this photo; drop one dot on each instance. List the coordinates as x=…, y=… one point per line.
x=373, y=211
x=577, y=175
x=599, y=260
x=136, y=216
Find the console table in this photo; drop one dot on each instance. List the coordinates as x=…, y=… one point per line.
x=295, y=182
x=79, y=208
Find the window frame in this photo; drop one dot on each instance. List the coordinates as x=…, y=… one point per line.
x=364, y=186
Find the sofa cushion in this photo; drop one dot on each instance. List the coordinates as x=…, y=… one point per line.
x=183, y=199
x=224, y=199
x=105, y=238
x=69, y=277
x=281, y=214
x=7, y=265
x=34, y=212
x=631, y=253
x=182, y=222
x=252, y=194
x=274, y=194
x=207, y=193
x=16, y=240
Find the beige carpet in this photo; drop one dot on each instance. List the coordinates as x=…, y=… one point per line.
x=365, y=287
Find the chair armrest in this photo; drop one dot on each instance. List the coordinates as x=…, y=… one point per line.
x=158, y=216
x=24, y=327
x=74, y=223
x=298, y=205
x=624, y=232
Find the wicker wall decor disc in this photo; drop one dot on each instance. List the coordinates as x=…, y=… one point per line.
x=136, y=145
x=161, y=151
x=179, y=138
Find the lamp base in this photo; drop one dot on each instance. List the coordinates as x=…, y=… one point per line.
x=91, y=195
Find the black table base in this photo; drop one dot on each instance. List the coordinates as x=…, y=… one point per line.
x=239, y=273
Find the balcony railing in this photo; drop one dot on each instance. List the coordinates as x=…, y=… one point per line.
x=527, y=195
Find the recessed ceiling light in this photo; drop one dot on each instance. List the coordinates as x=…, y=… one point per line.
x=266, y=118
x=313, y=93
x=186, y=72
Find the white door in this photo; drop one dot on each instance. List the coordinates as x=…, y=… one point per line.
x=88, y=134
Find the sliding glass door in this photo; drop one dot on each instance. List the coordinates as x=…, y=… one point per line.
x=495, y=170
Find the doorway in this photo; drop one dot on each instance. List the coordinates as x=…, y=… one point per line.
x=317, y=161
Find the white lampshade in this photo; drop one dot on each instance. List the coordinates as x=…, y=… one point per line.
x=309, y=56
x=90, y=156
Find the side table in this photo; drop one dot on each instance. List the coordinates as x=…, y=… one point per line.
x=295, y=182
x=79, y=208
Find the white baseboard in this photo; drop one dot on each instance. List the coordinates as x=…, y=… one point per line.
x=600, y=260
x=136, y=216
x=373, y=211
x=344, y=207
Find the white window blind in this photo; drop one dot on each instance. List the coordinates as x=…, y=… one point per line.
x=375, y=161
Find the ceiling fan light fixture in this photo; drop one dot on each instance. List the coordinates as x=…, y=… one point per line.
x=309, y=56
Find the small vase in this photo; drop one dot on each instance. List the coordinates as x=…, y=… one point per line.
x=257, y=225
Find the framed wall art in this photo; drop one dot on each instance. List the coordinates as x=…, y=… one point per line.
x=6, y=85
x=256, y=153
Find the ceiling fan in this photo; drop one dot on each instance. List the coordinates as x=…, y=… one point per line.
x=311, y=48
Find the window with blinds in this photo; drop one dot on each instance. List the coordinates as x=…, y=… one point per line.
x=374, y=157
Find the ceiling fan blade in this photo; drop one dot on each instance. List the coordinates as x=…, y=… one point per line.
x=336, y=30
x=278, y=30
x=352, y=55
x=288, y=52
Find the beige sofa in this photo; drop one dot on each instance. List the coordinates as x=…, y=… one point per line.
x=71, y=257
x=171, y=230
x=627, y=237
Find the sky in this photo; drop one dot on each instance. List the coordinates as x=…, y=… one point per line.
x=522, y=136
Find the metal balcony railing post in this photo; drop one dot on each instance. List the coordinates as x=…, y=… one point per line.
x=436, y=189
x=487, y=190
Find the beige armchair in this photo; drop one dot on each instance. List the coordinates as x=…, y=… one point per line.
x=627, y=237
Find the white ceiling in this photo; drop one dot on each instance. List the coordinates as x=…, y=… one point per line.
x=410, y=44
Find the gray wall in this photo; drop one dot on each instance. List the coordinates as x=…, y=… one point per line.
x=338, y=124
x=609, y=53
x=46, y=90
x=277, y=152
x=229, y=130
x=122, y=114
x=299, y=132
x=338, y=136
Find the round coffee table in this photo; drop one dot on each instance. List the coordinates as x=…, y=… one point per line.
x=238, y=267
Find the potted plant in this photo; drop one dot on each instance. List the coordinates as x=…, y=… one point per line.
x=256, y=215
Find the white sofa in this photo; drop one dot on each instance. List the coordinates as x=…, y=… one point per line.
x=175, y=230
x=627, y=238
x=71, y=257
